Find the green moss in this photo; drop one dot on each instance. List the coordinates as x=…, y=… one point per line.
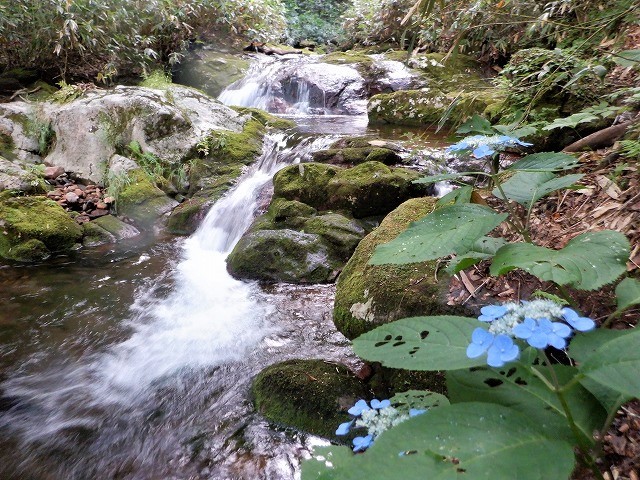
x=352, y=156
x=306, y=182
x=347, y=58
x=281, y=209
x=157, y=79
x=371, y=188
x=266, y=118
x=371, y=295
x=95, y=235
x=7, y=146
x=186, y=217
x=342, y=233
x=142, y=200
x=312, y=396
x=35, y=218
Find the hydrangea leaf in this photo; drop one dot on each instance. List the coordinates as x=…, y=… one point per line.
x=546, y=162
x=479, y=441
x=449, y=229
x=628, y=293
x=616, y=363
x=517, y=387
x=421, y=343
x=326, y=463
x=527, y=187
x=485, y=247
x=572, y=121
x=457, y=195
x=445, y=177
x=581, y=348
x=476, y=124
x=587, y=262
x=627, y=58
x=422, y=399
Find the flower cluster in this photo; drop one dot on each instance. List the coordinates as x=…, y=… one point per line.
x=541, y=323
x=377, y=418
x=486, y=145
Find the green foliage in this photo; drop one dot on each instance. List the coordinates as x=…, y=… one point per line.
x=101, y=40
x=67, y=93
x=526, y=188
x=587, y=115
x=314, y=20
x=630, y=149
x=420, y=343
x=628, y=58
x=628, y=293
x=449, y=229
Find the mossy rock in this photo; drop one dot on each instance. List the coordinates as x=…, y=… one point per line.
x=266, y=118
x=347, y=58
x=186, y=217
x=95, y=235
x=143, y=201
x=283, y=256
x=311, y=396
x=429, y=106
x=32, y=228
x=356, y=156
x=371, y=188
x=116, y=227
x=372, y=295
x=211, y=71
x=281, y=209
x=352, y=142
x=342, y=233
x=305, y=182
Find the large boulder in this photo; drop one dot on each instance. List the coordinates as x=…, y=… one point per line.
x=81, y=135
x=33, y=228
x=142, y=201
x=305, y=182
x=372, y=295
x=312, y=396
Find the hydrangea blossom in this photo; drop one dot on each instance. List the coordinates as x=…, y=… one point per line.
x=486, y=145
x=542, y=323
x=376, y=417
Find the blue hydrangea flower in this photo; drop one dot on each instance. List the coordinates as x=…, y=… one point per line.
x=543, y=332
x=414, y=412
x=483, y=151
x=378, y=404
x=362, y=443
x=344, y=428
x=358, y=408
x=481, y=340
x=582, y=324
x=491, y=313
x=501, y=351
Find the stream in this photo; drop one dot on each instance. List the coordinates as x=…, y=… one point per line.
x=135, y=361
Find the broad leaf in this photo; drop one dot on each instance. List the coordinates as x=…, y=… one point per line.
x=326, y=463
x=628, y=293
x=477, y=441
x=484, y=248
x=421, y=399
x=447, y=230
x=588, y=261
x=476, y=124
x=517, y=387
x=572, y=121
x=457, y=195
x=546, y=162
x=527, y=188
x=582, y=347
x=627, y=58
x=616, y=363
x=421, y=343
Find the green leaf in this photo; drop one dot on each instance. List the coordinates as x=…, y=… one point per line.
x=447, y=230
x=421, y=343
x=628, y=293
x=445, y=177
x=627, y=58
x=476, y=441
x=326, y=463
x=572, y=121
x=526, y=188
x=616, y=363
x=517, y=387
x=546, y=162
x=457, y=195
x=582, y=347
x=423, y=399
x=484, y=248
x=476, y=124
x=588, y=262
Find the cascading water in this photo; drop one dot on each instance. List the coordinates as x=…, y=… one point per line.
x=141, y=407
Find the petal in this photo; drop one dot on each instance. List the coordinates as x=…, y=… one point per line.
x=344, y=428
x=525, y=329
x=582, y=324
x=474, y=350
x=561, y=329
x=414, y=412
x=510, y=354
x=377, y=404
x=539, y=339
x=493, y=357
x=557, y=342
x=482, y=337
x=362, y=443
x=358, y=408
x=502, y=342
x=483, y=151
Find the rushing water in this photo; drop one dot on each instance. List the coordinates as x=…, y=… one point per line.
x=135, y=361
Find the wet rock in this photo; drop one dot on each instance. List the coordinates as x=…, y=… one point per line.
x=372, y=295
x=32, y=228
x=142, y=201
x=95, y=235
x=306, y=182
x=71, y=198
x=186, y=217
x=15, y=176
x=312, y=396
x=51, y=173
x=119, y=229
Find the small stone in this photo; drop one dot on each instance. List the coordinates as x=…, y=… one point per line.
x=72, y=197
x=98, y=213
x=80, y=219
x=79, y=192
x=109, y=200
x=51, y=173
x=56, y=194
x=102, y=206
